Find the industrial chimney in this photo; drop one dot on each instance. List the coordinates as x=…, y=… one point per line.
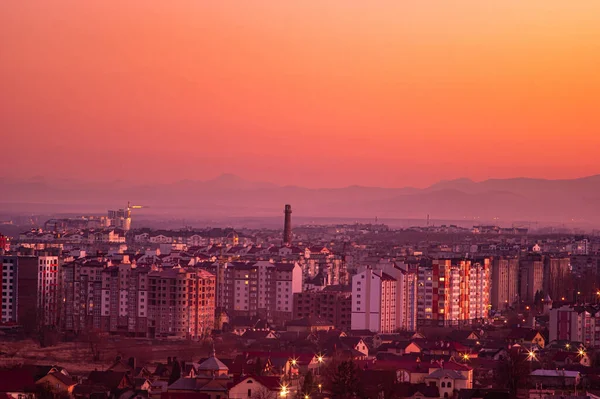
x=287, y=227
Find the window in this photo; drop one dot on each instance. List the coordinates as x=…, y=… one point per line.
x=443, y=384
x=449, y=385
x=249, y=393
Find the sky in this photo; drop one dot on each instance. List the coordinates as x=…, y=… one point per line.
x=315, y=93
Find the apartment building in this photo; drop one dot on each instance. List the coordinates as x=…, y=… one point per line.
x=453, y=292
x=557, y=270
x=531, y=271
x=30, y=290
x=82, y=294
x=505, y=282
x=333, y=303
x=258, y=288
x=374, y=301
x=181, y=303
x=575, y=324
x=479, y=290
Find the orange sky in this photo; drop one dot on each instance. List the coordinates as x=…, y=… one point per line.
x=315, y=93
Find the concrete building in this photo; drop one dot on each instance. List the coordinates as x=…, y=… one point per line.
x=557, y=271
x=260, y=288
x=30, y=290
x=82, y=289
x=181, y=303
x=575, y=324
x=453, y=292
x=505, y=282
x=333, y=303
x=531, y=271
x=374, y=302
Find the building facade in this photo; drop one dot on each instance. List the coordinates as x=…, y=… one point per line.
x=374, y=301
x=575, y=324
x=260, y=288
x=531, y=271
x=453, y=292
x=505, y=282
x=333, y=303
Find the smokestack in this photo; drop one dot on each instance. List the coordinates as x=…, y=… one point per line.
x=287, y=227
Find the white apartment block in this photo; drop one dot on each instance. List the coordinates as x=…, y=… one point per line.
x=374, y=302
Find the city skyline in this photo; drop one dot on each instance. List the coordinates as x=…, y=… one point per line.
x=336, y=94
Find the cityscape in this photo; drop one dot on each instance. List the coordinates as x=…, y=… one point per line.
x=300, y=199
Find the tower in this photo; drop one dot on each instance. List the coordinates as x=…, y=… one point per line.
x=287, y=227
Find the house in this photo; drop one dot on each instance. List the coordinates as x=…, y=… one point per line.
x=251, y=386
x=417, y=391
x=309, y=324
x=564, y=358
x=447, y=381
x=57, y=382
x=526, y=336
x=555, y=378
x=103, y=384
x=212, y=381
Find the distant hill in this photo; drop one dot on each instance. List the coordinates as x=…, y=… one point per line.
x=229, y=195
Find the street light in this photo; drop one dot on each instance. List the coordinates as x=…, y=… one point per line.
x=465, y=357
x=531, y=356
x=320, y=386
x=581, y=352
x=568, y=346
x=319, y=361
x=284, y=391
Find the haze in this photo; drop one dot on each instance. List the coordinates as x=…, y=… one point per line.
x=315, y=93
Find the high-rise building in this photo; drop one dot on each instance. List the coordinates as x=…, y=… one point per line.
x=479, y=290
x=557, y=271
x=82, y=294
x=181, y=303
x=260, y=288
x=406, y=293
x=505, y=282
x=287, y=226
x=374, y=301
x=453, y=292
x=30, y=290
x=575, y=324
x=531, y=271
x=333, y=303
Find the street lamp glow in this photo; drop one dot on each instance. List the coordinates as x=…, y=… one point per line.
x=581, y=352
x=568, y=346
x=320, y=359
x=284, y=391
x=531, y=356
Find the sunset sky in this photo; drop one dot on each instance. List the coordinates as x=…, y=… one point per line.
x=314, y=93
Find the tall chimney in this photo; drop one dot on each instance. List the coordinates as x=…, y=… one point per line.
x=287, y=227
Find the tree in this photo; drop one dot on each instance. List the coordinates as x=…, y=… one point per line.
x=308, y=384
x=175, y=372
x=344, y=381
x=513, y=372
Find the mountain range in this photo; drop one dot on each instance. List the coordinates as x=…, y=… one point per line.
x=517, y=199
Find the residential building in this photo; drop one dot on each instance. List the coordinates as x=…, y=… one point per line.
x=531, y=276
x=333, y=303
x=505, y=282
x=557, y=271
x=453, y=292
x=262, y=288
x=30, y=290
x=374, y=301
x=575, y=324
x=181, y=303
